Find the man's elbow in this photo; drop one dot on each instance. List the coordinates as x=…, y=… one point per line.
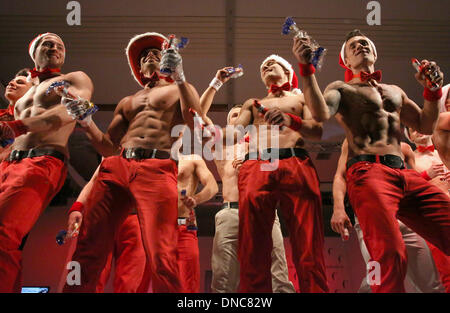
x=215, y=190
x=427, y=129
x=321, y=116
x=317, y=133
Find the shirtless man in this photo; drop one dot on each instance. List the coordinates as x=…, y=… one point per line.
x=371, y=113
x=15, y=89
x=224, y=261
x=131, y=273
x=142, y=175
x=293, y=186
x=192, y=170
x=427, y=160
x=36, y=168
x=429, y=164
x=422, y=271
x=441, y=134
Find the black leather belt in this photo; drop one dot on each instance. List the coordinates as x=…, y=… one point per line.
x=282, y=153
x=141, y=153
x=393, y=161
x=230, y=205
x=17, y=155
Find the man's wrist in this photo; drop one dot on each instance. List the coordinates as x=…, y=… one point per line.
x=215, y=84
x=296, y=121
x=76, y=207
x=432, y=95
x=306, y=69
x=339, y=208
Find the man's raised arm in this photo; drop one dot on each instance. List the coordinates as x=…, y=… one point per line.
x=313, y=96
x=423, y=120
x=340, y=223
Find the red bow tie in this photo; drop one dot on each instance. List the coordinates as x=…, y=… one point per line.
x=276, y=88
x=366, y=76
x=422, y=149
x=155, y=78
x=35, y=73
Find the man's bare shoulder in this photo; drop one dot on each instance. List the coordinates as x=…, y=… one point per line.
x=336, y=85
x=77, y=76
x=249, y=102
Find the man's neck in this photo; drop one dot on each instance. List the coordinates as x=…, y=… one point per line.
x=362, y=68
x=278, y=82
x=160, y=82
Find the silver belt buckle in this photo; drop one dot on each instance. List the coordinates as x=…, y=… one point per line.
x=292, y=151
x=181, y=221
x=129, y=153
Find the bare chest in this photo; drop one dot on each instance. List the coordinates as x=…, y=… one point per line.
x=425, y=160
x=157, y=101
x=363, y=99
x=285, y=104
x=37, y=100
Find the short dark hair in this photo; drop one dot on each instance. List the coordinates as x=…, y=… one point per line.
x=23, y=72
x=354, y=33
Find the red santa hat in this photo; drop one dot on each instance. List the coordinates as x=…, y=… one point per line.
x=135, y=47
x=33, y=44
x=293, y=80
x=348, y=72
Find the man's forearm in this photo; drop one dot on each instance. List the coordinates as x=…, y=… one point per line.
x=339, y=191
x=206, y=99
x=50, y=120
x=207, y=193
x=428, y=117
x=314, y=98
x=189, y=99
x=311, y=129
x=99, y=140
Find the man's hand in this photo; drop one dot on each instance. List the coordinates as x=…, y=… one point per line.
x=11, y=130
x=223, y=75
x=302, y=50
x=189, y=202
x=6, y=134
x=80, y=110
x=237, y=164
x=275, y=116
x=435, y=170
x=74, y=223
x=340, y=223
x=446, y=177
x=432, y=70
x=172, y=61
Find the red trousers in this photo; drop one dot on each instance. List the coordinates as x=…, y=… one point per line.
x=130, y=274
x=150, y=186
x=294, y=185
x=379, y=195
x=442, y=262
x=26, y=189
x=188, y=259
